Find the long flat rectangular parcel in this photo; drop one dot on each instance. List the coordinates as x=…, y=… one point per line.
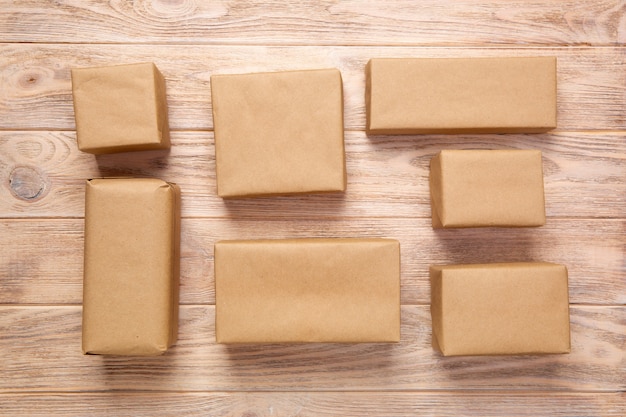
x=307, y=290
x=460, y=95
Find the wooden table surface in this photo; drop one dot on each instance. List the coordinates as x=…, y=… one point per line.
x=42, y=174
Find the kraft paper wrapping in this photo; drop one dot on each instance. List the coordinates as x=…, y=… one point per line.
x=479, y=188
x=279, y=133
x=500, y=309
x=307, y=290
x=130, y=289
x=460, y=95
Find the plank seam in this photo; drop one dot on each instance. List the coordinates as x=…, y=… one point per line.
x=484, y=391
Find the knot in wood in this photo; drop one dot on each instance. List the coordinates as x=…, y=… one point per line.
x=30, y=79
x=27, y=183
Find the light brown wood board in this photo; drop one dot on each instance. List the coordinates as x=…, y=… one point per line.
x=42, y=176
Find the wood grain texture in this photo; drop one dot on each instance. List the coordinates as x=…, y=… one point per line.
x=328, y=22
x=43, y=175
x=351, y=404
x=39, y=343
x=31, y=271
x=36, y=87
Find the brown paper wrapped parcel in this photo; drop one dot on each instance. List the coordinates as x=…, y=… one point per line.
x=120, y=108
x=500, y=309
x=307, y=290
x=460, y=95
x=279, y=133
x=130, y=288
x=479, y=188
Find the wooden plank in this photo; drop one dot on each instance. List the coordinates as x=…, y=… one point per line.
x=348, y=404
x=41, y=207
x=387, y=176
x=42, y=260
x=41, y=352
x=398, y=22
x=36, y=90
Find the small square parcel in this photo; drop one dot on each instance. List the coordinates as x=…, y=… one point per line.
x=279, y=133
x=307, y=290
x=130, y=287
x=460, y=95
x=500, y=309
x=481, y=188
x=120, y=108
